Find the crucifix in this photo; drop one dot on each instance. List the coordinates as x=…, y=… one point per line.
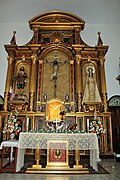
x=55, y=73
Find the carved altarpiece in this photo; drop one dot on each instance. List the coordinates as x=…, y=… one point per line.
x=57, y=34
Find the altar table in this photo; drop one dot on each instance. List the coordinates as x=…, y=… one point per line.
x=76, y=141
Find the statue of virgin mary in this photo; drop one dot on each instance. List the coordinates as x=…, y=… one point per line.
x=91, y=92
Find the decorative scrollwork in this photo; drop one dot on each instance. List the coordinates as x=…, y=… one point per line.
x=56, y=38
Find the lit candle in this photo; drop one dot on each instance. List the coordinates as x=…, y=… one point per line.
x=27, y=124
x=87, y=125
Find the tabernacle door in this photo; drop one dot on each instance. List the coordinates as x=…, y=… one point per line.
x=57, y=157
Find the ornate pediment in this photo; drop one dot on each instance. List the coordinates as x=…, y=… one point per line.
x=56, y=17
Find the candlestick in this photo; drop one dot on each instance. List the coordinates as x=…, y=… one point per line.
x=56, y=124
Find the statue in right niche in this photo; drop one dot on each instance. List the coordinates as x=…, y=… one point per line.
x=91, y=92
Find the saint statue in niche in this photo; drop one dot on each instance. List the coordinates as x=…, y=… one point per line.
x=21, y=78
x=91, y=92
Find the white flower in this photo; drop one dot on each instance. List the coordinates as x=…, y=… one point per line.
x=12, y=125
x=97, y=127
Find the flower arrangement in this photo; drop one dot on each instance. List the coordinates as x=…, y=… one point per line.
x=12, y=126
x=97, y=127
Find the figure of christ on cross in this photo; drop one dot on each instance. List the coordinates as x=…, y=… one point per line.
x=55, y=64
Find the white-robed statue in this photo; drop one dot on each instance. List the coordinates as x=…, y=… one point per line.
x=91, y=92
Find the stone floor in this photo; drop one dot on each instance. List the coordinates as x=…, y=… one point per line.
x=111, y=165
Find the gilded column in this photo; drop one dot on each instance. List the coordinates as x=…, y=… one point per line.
x=72, y=84
x=40, y=80
x=33, y=81
x=78, y=82
x=8, y=82
x=77, y=36
x=103, y=83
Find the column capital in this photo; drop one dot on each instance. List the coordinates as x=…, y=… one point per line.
x=10, y=59
x=101, y=60
x=35, y=29
x=72, y=61
x=78, y=58
x=34, y=58
x=40, y=61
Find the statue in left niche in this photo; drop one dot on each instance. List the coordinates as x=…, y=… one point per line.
x=21, y=78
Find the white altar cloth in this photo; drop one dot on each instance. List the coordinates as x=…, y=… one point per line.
x=11, y=144
x=76, y=141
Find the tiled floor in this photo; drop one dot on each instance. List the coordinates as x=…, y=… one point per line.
x=109, y=164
